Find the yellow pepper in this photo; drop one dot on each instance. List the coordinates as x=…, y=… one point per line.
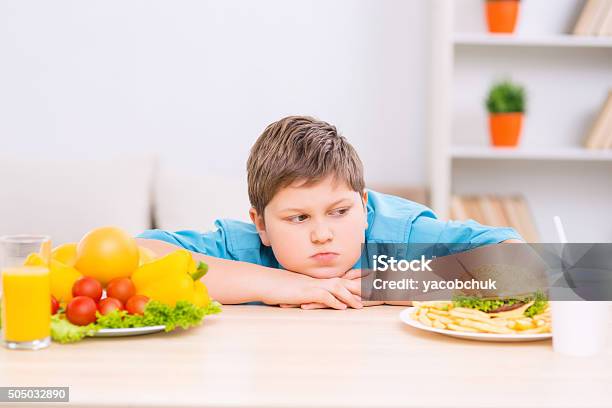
x=200, y=294
x=65, y=253
x=62, y=276
x=172, y=278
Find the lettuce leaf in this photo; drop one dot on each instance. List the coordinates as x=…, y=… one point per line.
x=486, y=305
x=539, y=305
x=183, y=314
x=62, y=331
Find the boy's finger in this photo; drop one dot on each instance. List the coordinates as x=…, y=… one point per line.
x=347, y=297
x=288, y=305
x=354, y=286
x=330, y=300
x=312, y=306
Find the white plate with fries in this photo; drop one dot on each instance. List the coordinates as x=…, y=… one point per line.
x=441, y=317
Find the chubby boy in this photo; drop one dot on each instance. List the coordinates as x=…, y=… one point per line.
x=310, y=215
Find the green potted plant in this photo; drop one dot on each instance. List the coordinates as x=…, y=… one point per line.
x=506, y=106
x=502, y=15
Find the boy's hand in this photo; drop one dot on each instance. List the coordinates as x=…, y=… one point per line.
x=353, y=275
x=297, y=289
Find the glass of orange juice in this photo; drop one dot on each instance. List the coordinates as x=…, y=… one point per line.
x=26, y=291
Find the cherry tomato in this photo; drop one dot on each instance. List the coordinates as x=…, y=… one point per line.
x=54, y=305
x=81, y=311
x=121, y=288
x=136, y=304
x=107, y=305
x=87, y=286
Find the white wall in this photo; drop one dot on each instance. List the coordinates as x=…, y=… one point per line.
x=197, y=81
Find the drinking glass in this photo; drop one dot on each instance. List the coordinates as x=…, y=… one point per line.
x=26, y=291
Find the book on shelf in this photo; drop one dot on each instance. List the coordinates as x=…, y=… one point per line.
x=600, y=134
x=595, y=19
x=606, y=26
x=498, y=211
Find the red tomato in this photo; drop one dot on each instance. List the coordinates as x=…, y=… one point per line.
x=107, y=305
x=87, y=286
x=121, y=288
x=136, y=304
x=54, y=305
x=81, y=311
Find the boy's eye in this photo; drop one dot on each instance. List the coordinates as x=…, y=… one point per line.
x=339, y=211
x=298, y=218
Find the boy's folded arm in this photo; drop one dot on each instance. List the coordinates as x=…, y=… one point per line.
x=235, y=282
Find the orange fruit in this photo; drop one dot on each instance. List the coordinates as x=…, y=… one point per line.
x=107, y=253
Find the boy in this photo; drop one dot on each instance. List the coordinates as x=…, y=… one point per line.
x=311, y=213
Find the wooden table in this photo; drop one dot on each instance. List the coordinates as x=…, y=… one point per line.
x=270, y=357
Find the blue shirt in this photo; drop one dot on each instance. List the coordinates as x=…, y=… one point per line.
x=391, y=219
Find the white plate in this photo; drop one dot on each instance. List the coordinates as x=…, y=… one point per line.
x=132, y=331
x=405, y=317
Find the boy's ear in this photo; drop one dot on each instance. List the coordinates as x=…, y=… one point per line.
x=260, y=225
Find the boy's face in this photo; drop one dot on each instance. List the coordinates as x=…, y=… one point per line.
x=316, y=229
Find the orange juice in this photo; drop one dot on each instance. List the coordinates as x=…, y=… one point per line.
x=26, y=308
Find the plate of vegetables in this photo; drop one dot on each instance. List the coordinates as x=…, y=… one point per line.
x=106, y=285
x=119, y=311
x=162, y=294
x=155, y=317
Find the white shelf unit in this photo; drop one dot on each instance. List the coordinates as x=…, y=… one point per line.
x=502, y=153
x=560, y=40
x=566, y=78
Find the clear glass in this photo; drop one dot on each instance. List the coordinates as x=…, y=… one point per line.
x=26, y=291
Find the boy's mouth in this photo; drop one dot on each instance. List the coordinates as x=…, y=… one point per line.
x=325, y=257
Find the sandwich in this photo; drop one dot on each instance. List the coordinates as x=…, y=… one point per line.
x=528, y=305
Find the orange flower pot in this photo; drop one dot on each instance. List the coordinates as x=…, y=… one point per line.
x=505, y=128
x=502, y=15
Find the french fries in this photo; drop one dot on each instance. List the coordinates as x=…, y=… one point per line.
x=442, y=315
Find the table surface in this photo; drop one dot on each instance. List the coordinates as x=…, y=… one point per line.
x=270, y=357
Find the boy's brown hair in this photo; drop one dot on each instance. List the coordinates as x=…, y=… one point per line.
x=299, y=148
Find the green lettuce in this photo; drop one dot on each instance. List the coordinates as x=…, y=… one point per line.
x=539, y=305
x=62, y=331
x=183, y=314
x=486, y=305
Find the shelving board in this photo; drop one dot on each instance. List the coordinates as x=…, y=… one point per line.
x=509, y=153
x=560, y=40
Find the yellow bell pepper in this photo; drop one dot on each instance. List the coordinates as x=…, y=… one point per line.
x=200, y=294
x=65, y=253
x=171, y=278
x=146, y=255
x=155, y=271
x=62, y=276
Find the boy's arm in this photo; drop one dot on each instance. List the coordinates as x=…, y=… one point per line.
x=469, y=233
x=234, y=282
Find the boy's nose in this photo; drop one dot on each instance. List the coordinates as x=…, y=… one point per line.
x=321, y=234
